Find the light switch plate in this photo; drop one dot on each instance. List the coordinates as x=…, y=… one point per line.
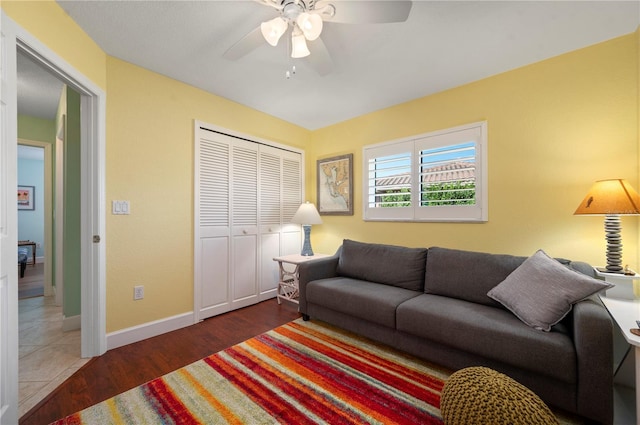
x=120, y=207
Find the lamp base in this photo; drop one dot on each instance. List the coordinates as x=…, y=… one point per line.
x=612, y=228
x=306, y=247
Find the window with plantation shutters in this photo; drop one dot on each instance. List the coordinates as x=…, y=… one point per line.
x=439, y=176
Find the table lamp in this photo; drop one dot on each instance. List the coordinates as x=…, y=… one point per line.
x=611, y=198
x=307, y=215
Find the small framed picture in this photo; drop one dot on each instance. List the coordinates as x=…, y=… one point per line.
x=26, y=198
x=335, y=185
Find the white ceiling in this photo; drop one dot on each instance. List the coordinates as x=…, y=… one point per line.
x=442, y=45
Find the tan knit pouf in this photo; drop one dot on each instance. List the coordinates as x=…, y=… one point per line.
x=482, y=396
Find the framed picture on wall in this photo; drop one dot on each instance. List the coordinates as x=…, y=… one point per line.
x=26, y=198
x=335, y=185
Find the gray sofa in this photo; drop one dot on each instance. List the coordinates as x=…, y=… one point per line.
x=433, y=303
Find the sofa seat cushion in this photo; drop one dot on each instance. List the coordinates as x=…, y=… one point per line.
x=490, y=332
x=389, y=264
x=365, y=300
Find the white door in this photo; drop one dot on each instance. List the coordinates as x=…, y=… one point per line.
x=270, y=183
x=292, y=186
x=8, y=226
x=212, y=218
x=244, y=223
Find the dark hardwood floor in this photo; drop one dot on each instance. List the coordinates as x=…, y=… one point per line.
x=126, y=367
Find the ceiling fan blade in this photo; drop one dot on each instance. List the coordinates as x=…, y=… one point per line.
x=367, y=12
x=271, y=3
x=246, y=45
x=319, y=59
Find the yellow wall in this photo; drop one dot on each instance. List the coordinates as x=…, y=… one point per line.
x=150, y=163
x=554, y=128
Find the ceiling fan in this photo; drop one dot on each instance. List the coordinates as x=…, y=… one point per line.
x=304, y=20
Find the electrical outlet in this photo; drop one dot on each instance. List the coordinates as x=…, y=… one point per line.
x=138, y=292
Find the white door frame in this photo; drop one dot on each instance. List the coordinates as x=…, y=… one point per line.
x=8, y=226
x=93, y=129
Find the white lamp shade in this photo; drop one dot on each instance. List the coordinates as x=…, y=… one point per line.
x=310, y=24
x=307, y=214
x=272, y=30
x=299, y=46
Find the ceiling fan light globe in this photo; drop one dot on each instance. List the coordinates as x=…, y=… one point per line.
x=272, y=30
x=299, y=47
x=310, y=24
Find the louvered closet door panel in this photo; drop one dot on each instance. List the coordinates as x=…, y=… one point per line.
x=244, y=164
x=213, y=224
x=291, y=235
x=270, y=218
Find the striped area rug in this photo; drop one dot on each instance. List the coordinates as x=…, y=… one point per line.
x=299, y=373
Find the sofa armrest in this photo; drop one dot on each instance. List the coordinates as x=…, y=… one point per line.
x=593, y=339
x=313, y=270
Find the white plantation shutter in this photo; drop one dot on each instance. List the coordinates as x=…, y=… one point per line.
x=388, y=177
x=443, y=170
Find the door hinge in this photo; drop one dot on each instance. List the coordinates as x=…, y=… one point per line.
x=96, y=238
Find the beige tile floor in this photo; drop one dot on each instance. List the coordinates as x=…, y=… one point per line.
x=48, y=356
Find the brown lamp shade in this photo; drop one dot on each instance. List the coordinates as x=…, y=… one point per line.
x=614, y=196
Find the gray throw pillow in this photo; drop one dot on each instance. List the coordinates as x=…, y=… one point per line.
x=542, y=291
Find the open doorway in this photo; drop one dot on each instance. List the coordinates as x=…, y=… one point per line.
x=33, y=233
x=60, y=122
x=49, y=319
x=91, y=194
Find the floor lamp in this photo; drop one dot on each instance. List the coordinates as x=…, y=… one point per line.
x=307, y=215
x=611, y=198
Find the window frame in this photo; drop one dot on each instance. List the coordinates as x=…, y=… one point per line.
x=477, y=213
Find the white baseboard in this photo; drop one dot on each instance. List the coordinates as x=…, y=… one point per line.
x=148, y=330
x=71, y=323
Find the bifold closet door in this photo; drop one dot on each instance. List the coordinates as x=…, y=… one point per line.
x=270, y=218
x=244, y=223
x=245, y=196
x=213, y=221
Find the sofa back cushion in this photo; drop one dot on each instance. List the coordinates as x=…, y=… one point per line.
x=388, y=264
x=467, y=275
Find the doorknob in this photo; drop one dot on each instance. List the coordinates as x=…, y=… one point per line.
x=96, y=238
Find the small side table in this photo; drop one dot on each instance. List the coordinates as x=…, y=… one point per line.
x=625, y=313
x=288, y=283
x=33, y=249
x=624, y=288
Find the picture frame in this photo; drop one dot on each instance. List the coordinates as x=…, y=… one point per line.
x=335, y=185
x=26, y=198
